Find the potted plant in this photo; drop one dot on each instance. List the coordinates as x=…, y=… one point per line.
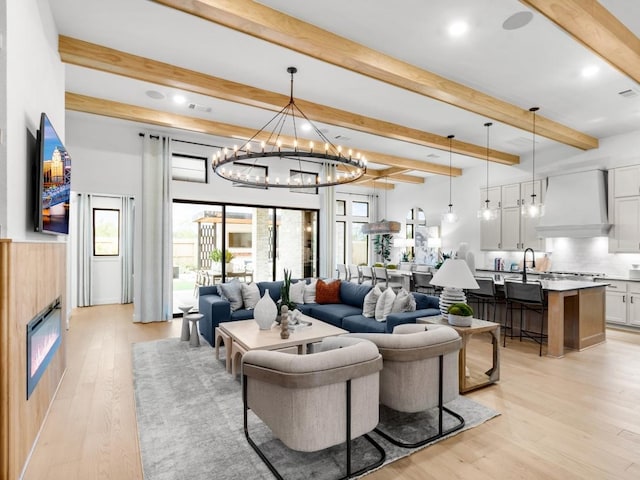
x=216, y=256
x=460, y=315
x=284, y=293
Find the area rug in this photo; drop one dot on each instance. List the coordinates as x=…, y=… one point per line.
x=189, y=413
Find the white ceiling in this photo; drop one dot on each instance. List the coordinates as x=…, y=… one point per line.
x=537, y=65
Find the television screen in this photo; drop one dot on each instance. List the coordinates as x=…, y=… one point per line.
x=55, y=181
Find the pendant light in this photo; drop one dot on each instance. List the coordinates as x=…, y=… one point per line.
x=535, y=208
x=487, y=213
x=450, y=216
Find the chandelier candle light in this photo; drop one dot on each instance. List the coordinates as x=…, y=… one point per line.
x=534, y=209
x=286, y=154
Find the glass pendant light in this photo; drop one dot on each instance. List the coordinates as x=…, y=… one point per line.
x=487, y=213
x=535, y=208
x=450, y=216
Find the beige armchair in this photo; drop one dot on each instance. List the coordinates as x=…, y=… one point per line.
x=420, y=371
x=312, y=402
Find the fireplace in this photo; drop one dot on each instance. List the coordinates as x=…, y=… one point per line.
x=44, y=334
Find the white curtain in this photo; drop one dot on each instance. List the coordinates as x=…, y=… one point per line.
x=328, y=231
x=127, y=215
x=156, y=272
x=85, y=250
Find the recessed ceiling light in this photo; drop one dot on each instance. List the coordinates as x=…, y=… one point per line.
x=517, y=20
x=305, y=127
x=458, y=28
x=179, y=99
x=590, y=71
x=156, y=95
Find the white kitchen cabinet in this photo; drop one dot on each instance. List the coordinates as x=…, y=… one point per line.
x=510, y=195
x=626, y=181
x=633, y=317
x=623, y=303
x=511, y=228
x=494, y=196
x=626, y=229
x=490, y=234
x=513, y=231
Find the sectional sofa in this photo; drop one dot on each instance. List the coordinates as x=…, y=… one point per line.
x=347, y=314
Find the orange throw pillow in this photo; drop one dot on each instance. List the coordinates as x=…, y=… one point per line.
x=328, y=292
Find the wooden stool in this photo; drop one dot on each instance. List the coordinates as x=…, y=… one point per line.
x=194, y=341
x=221, y=337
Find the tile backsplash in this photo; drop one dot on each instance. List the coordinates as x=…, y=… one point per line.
x=574, y=255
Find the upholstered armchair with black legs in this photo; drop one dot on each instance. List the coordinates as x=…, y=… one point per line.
x=313, y=402
x=420, y=371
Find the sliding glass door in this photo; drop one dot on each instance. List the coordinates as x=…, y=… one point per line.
x=215, y=243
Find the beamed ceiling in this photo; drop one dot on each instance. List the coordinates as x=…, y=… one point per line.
x=384, y=78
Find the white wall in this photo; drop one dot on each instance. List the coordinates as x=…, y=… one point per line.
x=35, y=82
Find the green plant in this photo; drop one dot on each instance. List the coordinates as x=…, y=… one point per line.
x=461, y=309
x=284, y=292
x=391, y=266
x=216, y=255
x=377, y=264
x=382, y=246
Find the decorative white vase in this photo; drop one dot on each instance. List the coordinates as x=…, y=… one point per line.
x=265, y=311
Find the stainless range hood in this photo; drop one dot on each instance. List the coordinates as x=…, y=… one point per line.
x=576, y=206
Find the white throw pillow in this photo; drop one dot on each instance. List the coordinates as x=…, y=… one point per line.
x=250, y=295
x=404, y=302
x=309, y=295
x=384, y=304
x=370, y=302
x=296, y=292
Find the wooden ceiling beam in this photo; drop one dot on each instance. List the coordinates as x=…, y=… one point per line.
x=374, y=184
x=89, y=55
x=597, y=29
x=123, y=111
x=270, y=25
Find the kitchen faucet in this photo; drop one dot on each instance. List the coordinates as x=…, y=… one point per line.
x=524, y=263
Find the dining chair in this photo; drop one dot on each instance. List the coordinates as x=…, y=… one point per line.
x=355, y=276
x=343, y=274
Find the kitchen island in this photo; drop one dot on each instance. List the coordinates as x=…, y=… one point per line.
x=575, y=316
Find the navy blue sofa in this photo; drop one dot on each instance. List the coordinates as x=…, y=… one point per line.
x=346, y=315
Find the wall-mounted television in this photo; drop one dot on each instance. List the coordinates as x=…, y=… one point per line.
x=53, y=183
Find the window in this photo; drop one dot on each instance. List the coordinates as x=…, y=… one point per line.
x=351, y=245
x=106, y=232
x=253, y=171
x=188, y=168
x=360, y=209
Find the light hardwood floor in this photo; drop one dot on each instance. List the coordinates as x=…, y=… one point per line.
x=571, y=418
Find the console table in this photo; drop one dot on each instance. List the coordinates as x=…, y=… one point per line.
x=475, y=379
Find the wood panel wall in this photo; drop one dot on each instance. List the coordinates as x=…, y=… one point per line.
x=32, y=275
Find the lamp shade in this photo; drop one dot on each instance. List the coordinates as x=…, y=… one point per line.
x=454, y=273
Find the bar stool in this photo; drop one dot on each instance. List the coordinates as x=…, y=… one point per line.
x=484, y=296
x=530, y=298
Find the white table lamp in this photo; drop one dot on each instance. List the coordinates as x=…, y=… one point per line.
x=454, y=276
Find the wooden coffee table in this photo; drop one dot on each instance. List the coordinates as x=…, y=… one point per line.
x=244, y=335
x=480, y=379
